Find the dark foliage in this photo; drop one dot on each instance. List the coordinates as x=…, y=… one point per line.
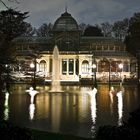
x=134, y=119
x=129, y=130
x=133, y=39
x=93, y=31
x=117, y=133
x=11, y=132
x=12, y=25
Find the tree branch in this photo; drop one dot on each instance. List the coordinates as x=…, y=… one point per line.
x=9, y=1
x=4, y=4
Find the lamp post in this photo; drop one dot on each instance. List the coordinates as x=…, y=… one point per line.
x=33, y=66
x=109, y=75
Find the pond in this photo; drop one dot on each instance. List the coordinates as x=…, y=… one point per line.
x=77, y=110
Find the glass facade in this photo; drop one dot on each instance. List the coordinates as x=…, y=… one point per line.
x=42, y=66
x=67, y=66
x=85, y=67
x=64, y=66
x=71, y=66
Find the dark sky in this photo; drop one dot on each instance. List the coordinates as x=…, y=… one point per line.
x=87, y=11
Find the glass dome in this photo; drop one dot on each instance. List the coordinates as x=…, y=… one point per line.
x=65, y=23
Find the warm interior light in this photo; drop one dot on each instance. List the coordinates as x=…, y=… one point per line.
x=120, y=65
x=32, y=65
x=94, y=66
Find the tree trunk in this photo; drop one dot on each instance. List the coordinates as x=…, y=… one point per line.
x=138, y=67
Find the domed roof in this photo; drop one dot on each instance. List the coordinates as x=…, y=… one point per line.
x=65, y=23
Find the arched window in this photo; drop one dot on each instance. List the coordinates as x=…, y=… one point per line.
x=114, y=65
x=133, y=67
x=42, y=65
x=85, y=67
x=103, y=66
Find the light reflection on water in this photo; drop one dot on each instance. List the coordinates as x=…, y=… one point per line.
x=73, y=112
x=92, y=94
x=6, y=106
x=120, y=107
x=31, y=111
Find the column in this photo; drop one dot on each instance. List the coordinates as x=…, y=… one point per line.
x=37, y=66
x=80, y=73
x=97, y=61
x=60, y=66
x=128, y=66
x=74, y=68
x=67, y=66
x=46, y=68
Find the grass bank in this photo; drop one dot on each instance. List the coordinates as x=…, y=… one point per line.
x=43, y=135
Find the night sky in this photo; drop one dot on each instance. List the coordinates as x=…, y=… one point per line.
x=86, y=11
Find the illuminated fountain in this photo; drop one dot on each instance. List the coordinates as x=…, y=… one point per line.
x=32, y=94
x=55, y=87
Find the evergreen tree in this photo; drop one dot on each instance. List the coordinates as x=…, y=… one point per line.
x=12, y=25
x=133, y=38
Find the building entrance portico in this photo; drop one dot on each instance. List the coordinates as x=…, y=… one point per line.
x=75, y=66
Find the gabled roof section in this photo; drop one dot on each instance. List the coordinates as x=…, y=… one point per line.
x=32, y=40
x=100, y=40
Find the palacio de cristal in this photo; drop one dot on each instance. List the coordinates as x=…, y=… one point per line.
x=80, y=57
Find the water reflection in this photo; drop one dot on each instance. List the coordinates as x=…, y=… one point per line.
x=31, y=111
x=74, y=112
x=93, y=110
x=111, y=93
x=120, y=105
x=56, y=108
x=6, y=106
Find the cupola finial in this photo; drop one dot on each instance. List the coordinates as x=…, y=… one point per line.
x=66, y=8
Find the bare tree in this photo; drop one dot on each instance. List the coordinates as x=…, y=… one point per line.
x=44, y=30
x=120, y=28
x=30, y=30
x=106, y=29
x=82, y=27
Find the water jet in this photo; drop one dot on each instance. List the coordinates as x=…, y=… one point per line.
x=55, y=85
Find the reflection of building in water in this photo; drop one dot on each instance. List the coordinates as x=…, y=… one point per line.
x=31, y=111
x=6, y=106
x=56, y=107
x=120, y=107
x=42, y=106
